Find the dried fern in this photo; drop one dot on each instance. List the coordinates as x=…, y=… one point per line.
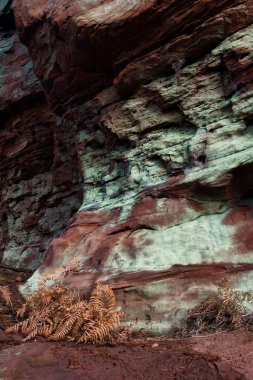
x=58, y=313
x=58, y=273
x=6, y=294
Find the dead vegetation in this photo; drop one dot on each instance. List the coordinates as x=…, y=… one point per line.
x=55, y=275
x=58, y=313
x=5, y=302
x=226, y=309
x=6, y=295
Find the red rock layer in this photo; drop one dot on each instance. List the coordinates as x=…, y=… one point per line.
x=39, y=174
x=84, y=46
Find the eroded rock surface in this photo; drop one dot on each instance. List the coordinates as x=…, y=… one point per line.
x=158, y=100
x=38, y=172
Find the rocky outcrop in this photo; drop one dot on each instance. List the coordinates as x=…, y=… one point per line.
x=37, y=199
x=157, y=99
x=86, y=45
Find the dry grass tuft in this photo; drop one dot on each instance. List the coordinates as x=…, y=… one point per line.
x=222, y=310
x=58, y=313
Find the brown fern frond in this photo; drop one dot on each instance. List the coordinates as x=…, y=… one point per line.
x=59, y=273
x=122, y=336
x=6, y=294
x=103, y=297
x=15, y=328
x=32, y=334
x=58, y=313
x=62, y=332
x=75, y=317
x=24, y=326
x=76, y=329
x=95, y=333
x=22, y=310
x=113, y=317
x=88, y=331
x=45, y=330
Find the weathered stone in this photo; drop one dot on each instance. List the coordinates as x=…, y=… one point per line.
x=38, y=160
x=162, y=115
x=82, y=42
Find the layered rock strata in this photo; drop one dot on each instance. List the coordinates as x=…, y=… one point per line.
x=39, y=171
x=158, y=97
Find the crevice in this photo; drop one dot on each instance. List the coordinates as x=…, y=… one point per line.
x=27, y=102
x=7, y=20
x=24, y=270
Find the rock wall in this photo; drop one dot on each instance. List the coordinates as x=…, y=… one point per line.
x=40, y=180
x=157, y=99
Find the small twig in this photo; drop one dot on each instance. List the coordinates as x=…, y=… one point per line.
x=191, y=364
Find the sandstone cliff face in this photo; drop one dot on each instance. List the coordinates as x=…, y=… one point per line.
x=155, y=99
x=38, y=173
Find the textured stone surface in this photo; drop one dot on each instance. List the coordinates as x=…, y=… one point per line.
x=81, y=43
x=35, y=150
x=163, y=129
